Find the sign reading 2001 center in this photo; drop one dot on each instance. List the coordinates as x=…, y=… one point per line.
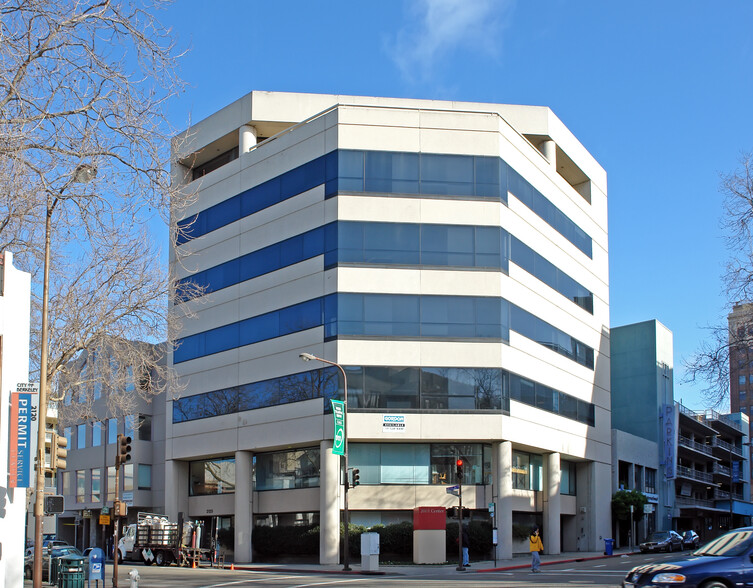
x=338, y=411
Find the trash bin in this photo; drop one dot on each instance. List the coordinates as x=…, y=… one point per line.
x=608, y=546
x=71, y=571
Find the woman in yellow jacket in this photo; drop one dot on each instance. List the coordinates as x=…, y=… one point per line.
x=536, y=546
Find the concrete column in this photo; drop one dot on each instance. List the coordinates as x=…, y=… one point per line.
x=329, y=505
x=243, y=506
x=552, y=505
x=246, y=138
x=502, y=472
x=549, y=149
x=594, y=506
x=176, y=488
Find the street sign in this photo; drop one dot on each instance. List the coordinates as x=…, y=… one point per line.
x=105, y=510
x=455, y=490
x=491, y=508
x=104, y=519
x=338, y=444
x=86, y=513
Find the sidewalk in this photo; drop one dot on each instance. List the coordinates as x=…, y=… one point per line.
x=521, y=561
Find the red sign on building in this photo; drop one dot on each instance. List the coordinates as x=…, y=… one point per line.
x=429, y=518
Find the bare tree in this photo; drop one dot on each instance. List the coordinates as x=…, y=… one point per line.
x=84, y=83
x=732, y=342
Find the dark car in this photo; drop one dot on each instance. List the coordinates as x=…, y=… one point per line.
x=662, y=541
x=725, y=561
x=58, y=551
x=690, y=540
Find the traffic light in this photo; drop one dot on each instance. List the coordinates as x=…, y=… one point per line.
x=459, y=471
x=124, y=451
x=58, y=452
x=120, y=508
x=356, y=477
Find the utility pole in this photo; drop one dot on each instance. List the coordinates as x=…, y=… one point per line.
x=459, y=475
x=122, y=456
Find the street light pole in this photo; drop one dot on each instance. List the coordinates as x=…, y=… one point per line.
x=83, y=174
x=344, y=464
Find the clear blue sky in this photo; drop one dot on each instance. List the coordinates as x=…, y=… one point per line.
x=661, y=93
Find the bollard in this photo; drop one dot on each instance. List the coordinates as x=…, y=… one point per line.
x=134, y=576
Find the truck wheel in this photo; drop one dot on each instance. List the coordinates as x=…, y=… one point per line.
x=120, y=557
x=160, y=559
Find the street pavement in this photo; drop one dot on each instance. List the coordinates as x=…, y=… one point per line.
x=574, y=569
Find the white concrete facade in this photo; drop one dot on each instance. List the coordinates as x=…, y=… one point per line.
x=15, y=309
x=305, y=127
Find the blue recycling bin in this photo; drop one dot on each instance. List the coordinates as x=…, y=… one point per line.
x=608, y=546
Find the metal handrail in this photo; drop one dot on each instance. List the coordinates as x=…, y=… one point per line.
x=694, y=501
x=702, y=447
x=694, y=474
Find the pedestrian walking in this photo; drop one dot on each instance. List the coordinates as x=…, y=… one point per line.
x=536, y=547
x=466, y=542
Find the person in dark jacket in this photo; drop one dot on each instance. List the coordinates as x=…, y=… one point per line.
x=466, y=543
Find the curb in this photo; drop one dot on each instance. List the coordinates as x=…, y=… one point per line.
x=355, y=572
x=551, y=563
x=309, y=571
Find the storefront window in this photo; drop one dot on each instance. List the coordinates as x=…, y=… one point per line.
x=567, y=478
x=298, y=468
x=420, y=463
x=527, y=471
x=212, y=476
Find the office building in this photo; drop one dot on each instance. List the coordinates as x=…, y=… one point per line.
x=451, y=257
x=88, y=484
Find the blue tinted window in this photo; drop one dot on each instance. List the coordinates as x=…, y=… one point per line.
x=397, y=388
x=447, y=174
x=388, y=172
x=490, y=247
x=550, y=400
x=552, y=276
x=389, y=315
x=489, y=177
x=534, y=328
x=391, y=243
x=259, y=328
x=396, y=173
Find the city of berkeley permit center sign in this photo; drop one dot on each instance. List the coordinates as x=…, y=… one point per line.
x=338, y=443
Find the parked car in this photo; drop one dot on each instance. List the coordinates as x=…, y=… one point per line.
x=725, y=561
x=690, y=540
x=58, y=551
x=662, y=541
x=47, y=543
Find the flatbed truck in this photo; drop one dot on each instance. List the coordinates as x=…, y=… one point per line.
x=153, y=539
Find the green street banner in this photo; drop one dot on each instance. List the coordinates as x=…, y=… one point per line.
x=338, y=410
